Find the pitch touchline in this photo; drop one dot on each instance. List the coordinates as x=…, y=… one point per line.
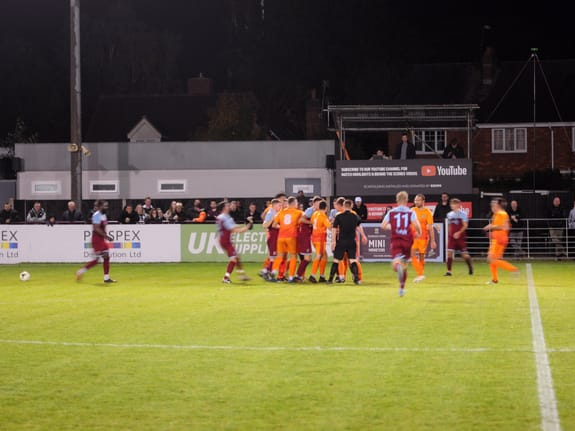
x=283, y=348
x=547, y=401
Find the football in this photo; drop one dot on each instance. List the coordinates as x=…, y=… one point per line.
x=24, y=276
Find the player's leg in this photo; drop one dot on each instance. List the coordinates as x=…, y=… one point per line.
x=292, y=252
x=400, y=267
x=281, y=256
x=106, y=266
x=492, y=256
x=449, y=261
x=467, y=258
x=316, y=262
x=87, y=266
x=501, y=263
x=415, y=256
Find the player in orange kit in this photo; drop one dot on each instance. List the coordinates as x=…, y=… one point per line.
x=287, y=221
x=419, y=247
x=498, y=238
x=320, y=224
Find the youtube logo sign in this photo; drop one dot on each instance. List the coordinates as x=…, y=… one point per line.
x=428, y=171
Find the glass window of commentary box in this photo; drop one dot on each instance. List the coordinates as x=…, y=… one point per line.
x=509, y=140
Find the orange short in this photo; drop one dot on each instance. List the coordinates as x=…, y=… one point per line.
x=287, y=245
x=319, y=248
x=420, y=245
x=496, y=249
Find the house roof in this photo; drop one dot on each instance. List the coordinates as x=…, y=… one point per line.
x=511, y=98
x=177, y=117
x=438, y=84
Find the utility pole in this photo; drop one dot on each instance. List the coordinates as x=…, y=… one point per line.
x=75, y=147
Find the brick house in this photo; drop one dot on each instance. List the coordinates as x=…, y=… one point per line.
x=509, y=140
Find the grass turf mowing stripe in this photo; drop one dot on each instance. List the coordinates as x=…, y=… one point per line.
x=284, y=348
x=547, y=401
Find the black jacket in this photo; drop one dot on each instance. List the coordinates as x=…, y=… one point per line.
x=410, y=153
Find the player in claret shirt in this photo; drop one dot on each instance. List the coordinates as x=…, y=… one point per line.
x=227, y=226
x=402, y=222
x=457, y=222
x=100, y=243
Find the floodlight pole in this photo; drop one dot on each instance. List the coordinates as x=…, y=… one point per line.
x=533, y=157
x=75, y=105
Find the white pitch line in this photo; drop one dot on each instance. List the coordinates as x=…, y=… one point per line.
x=547, y=401
x=282, y=348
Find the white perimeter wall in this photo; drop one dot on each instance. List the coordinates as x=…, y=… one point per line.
x=200, y=184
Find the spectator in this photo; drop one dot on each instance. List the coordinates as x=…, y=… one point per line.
x=379, y=155
x=212, y=212
x=8, y=214
x=179, y=215
x=405, y=149
x=198, y=214
x=571, y=225
x=571, y=219
x=143, y=217
x=301, y=199
x=441, y=209
x=51, y=220
x=128, y=216
x=556, y=224
x=253, y=213
x=516, y=232
x=359, y=208
x=147, y=207
x=235, y=212
x=154, y=217
x=160, y=215
x=453, y=150
x=170, y=212
x=36, y=214
x=72, y=214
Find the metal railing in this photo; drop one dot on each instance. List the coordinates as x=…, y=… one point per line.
x=535, y=240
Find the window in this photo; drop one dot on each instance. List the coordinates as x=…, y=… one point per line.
x=46, y=187
x=430, y=141
x=509, y=140
x=104, y=186
x=167, y=186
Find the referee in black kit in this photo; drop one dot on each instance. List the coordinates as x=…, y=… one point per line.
x=344, y=228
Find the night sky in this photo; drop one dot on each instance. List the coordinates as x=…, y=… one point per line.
x=152, y=47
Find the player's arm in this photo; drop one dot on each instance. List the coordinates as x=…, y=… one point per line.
x=99, y=230
x=458, y=233
x=268, y=221
x=416, y=224
x=385, y=225
x=244, y=228
x=431, y=230
x=334, y=232
x=362, y=234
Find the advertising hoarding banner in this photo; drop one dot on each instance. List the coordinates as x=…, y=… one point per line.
x=377, y=248
x=72, y=243
x=199, y=243
x=159, y=243
x=387, y=177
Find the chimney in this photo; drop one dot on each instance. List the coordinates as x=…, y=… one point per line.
x=313, y=121
x=200, y=86
x=488, y=66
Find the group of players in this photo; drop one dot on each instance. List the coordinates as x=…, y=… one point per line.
x=293, y=233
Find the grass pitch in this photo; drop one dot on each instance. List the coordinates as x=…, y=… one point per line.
x=169, y=347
